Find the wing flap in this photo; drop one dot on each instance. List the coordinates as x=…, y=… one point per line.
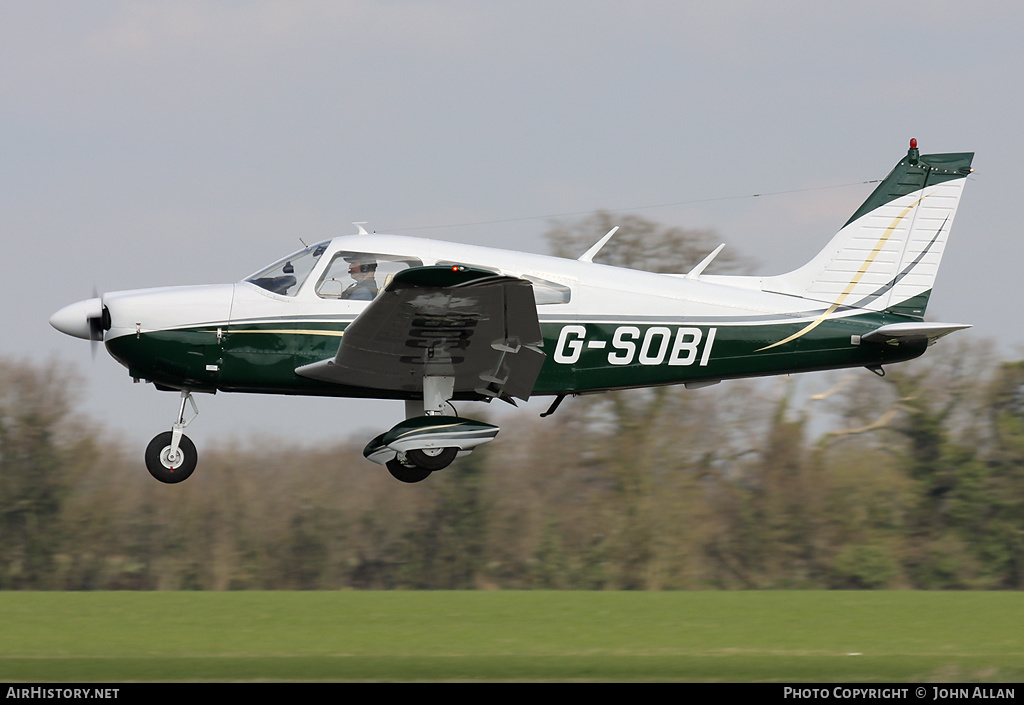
x=476, y=326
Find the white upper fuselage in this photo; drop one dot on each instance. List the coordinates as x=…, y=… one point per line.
x=596, y=292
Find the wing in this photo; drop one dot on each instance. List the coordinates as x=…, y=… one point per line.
x=476, y=326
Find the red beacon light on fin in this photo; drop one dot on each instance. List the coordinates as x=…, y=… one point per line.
x=913, y=156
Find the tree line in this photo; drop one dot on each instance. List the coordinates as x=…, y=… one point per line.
x=841, y=480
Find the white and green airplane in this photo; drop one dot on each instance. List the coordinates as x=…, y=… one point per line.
x=432, y=322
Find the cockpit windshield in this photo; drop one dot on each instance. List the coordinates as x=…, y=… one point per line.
x=286, y=276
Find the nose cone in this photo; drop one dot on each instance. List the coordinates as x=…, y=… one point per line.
x=74, y=319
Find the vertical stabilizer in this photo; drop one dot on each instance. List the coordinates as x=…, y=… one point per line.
x=887, y=255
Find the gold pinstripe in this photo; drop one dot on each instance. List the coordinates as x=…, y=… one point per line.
x=853, y=282
x=293, y=331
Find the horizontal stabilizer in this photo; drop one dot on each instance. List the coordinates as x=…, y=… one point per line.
x=904, y=332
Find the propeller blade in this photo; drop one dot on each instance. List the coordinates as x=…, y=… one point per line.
x=98, y=325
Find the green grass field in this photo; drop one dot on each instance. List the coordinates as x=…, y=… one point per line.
x=560, y=636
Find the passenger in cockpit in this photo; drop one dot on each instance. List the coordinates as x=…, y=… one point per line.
x=362, y=269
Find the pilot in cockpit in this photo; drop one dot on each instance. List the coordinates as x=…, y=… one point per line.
x=362, y=268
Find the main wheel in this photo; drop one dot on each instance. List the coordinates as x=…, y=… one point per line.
x=166, y=468
x=407, y=473
x=432, y=458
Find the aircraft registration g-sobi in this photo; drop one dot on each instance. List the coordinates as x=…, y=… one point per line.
x=433, y=322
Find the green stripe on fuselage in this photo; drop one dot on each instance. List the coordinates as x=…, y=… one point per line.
x=581, y=356
x=623, y=354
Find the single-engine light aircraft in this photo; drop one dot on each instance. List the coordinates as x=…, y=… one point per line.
x=432, y=322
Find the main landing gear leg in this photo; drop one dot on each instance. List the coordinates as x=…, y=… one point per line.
x=416, y=464
x=171, y=456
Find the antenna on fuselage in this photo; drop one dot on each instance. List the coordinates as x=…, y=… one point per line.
x=362, y=230
x=696, y=271
x=588, y=256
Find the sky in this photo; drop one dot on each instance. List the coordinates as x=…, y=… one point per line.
x=187, y=142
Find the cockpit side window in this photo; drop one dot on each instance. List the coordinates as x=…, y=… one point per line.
x=286, y=276
x=359, y=276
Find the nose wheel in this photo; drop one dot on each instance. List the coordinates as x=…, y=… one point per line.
x=171, y=456
x=168, y=464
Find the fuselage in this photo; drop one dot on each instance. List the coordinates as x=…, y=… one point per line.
x=603, y=327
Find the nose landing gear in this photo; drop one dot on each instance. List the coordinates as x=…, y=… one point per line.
x=171, y=456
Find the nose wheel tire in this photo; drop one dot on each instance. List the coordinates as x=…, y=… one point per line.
x=170, y=468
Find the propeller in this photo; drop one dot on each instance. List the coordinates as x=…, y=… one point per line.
x=88, y=319
x=98, y=325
